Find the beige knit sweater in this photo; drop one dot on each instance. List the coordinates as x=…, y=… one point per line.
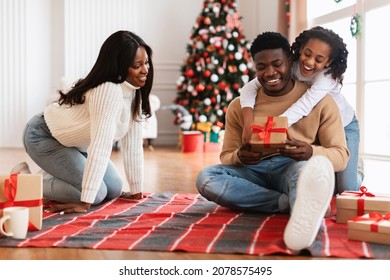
x=322, y=128
x=93, y=127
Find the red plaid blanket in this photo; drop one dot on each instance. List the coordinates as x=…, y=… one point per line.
x=186, y=222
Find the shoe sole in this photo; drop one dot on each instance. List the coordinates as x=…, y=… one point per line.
x=314, y=192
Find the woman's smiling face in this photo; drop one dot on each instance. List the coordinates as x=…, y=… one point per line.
x=138, y=72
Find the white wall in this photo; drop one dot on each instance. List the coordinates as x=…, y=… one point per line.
x=42, y=41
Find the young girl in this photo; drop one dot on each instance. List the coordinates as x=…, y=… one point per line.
x=319, y=58
x=72, y=139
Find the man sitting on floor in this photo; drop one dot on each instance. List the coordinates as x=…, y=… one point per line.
x=298, y=181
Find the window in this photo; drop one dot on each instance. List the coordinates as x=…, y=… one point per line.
x=367, y=79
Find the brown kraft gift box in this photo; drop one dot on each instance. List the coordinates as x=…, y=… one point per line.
x=269, y=134
x=372, y=227
x=351, y=204
x=23, y=190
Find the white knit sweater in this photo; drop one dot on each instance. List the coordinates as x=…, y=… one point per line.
x=93, y=127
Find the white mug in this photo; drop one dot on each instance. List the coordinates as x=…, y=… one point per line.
x=14, y=222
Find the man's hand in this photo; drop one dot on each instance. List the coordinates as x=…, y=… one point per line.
x=246, y=156
x=67, y=208
x=300, y=150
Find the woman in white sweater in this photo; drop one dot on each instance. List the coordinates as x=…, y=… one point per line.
x=72, y=140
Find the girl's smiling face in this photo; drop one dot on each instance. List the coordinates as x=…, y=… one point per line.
x=314, y=57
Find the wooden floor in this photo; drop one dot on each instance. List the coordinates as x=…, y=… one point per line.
x=167, y=169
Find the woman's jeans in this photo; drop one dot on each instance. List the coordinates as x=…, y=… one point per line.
x=269, y=186
x=350, y=179
x=65, y=165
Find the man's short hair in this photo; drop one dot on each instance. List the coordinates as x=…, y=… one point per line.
x=270, y=40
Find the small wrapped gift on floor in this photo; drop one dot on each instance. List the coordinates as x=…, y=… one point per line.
x=268, y=134
x=23, y=190
x=372, y=227
x=350, y=204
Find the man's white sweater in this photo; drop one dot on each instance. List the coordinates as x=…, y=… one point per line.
x=93, y=127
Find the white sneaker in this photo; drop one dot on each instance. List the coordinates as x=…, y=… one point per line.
x=21, y=168
x=315, y=188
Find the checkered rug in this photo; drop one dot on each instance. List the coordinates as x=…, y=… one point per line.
x=186, y=222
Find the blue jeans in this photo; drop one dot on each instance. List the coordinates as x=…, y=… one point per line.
x=350, y=179
x=66, y=165
x=269, y=186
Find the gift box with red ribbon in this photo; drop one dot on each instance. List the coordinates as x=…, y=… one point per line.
x=372, y=227
x=23, y=190
x=351, y=204
x=268, y=134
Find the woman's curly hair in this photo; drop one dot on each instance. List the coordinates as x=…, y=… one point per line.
x=339, y=52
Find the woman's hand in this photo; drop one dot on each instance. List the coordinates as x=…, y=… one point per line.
x=67, y=208
x=135, y=196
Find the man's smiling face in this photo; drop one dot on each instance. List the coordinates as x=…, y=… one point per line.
x=273, y=71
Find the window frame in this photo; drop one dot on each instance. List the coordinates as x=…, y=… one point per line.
x=361, y=7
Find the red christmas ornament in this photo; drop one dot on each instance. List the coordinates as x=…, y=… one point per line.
x=200, y=87
x=190, y=73
x=207, y=73
x=205, y=54
x=209, y=87
x=222, y=85
x=236, y=86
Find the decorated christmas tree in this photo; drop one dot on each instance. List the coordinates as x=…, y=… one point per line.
x=217, y=65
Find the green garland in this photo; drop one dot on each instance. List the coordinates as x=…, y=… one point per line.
x=356, y=25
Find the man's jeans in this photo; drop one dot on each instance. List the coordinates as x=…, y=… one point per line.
x=269, y=186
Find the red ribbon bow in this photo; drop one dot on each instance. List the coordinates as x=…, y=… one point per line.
x=360, y=202
x=264, y=133
x=375, y=217
x=10, y=188
x=363, y=192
